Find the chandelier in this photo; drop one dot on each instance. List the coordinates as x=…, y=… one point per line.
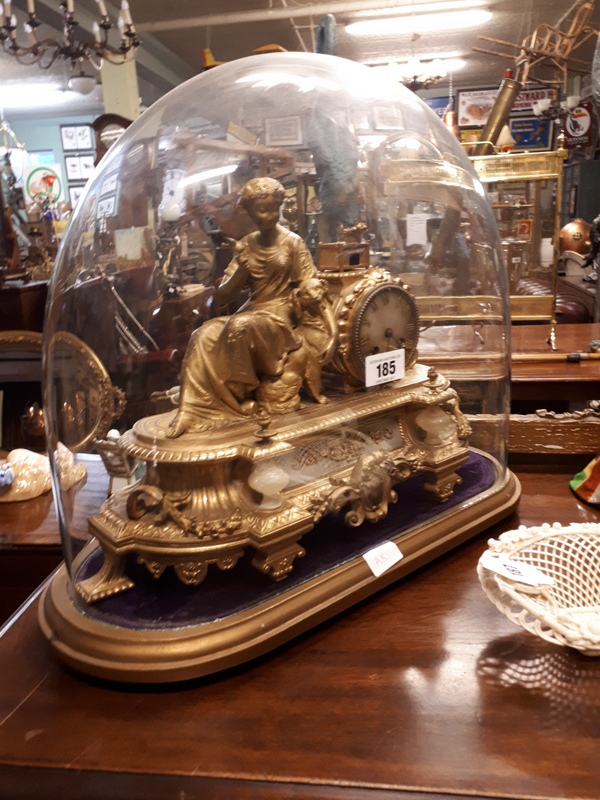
x=415, y=74
x=46, y=52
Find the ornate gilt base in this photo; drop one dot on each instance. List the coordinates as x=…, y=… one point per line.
x=89, y=639
x=208, y=497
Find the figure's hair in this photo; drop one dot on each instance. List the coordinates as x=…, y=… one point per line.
x=259, y=188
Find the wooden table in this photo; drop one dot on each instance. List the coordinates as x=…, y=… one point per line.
x=422, y=691
x=30, y=540
x=551, y=381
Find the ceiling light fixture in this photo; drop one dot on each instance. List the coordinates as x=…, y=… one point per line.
x=25, y=95
x=46, y=51
x=407, y=10
x=419, y=23
x=416, y=74
x=382, y=62
x=82, y=83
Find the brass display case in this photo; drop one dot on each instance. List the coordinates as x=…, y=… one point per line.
x=525, y=191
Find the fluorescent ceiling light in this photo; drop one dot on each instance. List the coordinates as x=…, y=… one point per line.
x=382, y=62
x=419, y=23
x=418, y=66
x=32, y=96
x=208, y=174
x=418, y=8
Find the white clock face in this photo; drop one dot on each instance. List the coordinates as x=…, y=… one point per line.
x=386, y=320
x=173, y=191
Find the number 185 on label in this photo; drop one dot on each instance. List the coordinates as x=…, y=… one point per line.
x=384, y=367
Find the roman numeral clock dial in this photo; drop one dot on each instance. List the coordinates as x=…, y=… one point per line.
x=379, y=316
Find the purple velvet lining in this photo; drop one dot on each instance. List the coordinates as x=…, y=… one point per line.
x=167, y=603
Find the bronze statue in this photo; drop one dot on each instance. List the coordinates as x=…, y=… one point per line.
x=278, y=340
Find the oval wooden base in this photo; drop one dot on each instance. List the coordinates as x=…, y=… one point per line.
x=157, y=656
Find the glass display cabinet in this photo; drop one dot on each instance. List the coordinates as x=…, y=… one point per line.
x=279, y=318
x=525, y=191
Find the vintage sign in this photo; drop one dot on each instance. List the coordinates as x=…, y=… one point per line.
x=437, y=104
x=474, y=106
x=527, y=97
x=578, y=126
x=531, y=133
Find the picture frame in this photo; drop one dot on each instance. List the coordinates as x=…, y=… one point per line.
x=106, y=207
x=76, y=137
x=524, y=230
x=283, y=131
x=386, y=118
x=531, y=133
x=75, y=191
x=68, y=137
x=73, y=168
x=79, y=168
x=109, y=184
x=86, y=164
x=474, y=106
x=83, y=135
x=437, y=104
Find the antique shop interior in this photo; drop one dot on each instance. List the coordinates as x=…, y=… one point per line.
x=299, y=399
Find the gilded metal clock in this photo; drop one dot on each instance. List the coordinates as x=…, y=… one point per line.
x=378, y=315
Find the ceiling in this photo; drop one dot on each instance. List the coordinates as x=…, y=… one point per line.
x=173, y=37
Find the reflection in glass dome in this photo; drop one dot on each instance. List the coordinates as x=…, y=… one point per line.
x=277, y=317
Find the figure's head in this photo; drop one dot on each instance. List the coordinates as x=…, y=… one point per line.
x=261, y=189
x=262, y=199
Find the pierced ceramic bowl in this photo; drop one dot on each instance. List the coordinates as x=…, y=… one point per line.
x=561, y=602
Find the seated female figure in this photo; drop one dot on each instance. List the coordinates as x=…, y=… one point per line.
x=229, y=358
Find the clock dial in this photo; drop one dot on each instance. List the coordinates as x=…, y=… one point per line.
x=173, y=191
x=386, y=319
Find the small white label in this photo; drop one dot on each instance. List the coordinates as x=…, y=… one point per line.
x=515, y=570
x=382, y=557
x=384, y=367
x=416, y=229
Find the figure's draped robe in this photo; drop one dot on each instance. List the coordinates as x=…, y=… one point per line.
x=228, y=356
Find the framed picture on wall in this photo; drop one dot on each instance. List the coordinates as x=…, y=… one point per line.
x=86, y=164
x=109, y=185
x=532, y=133
x=75, y=194
x=76, y=137
x=106, y=207
x=474, y=106
x=83, y=135
x=68, y=137
x=283, y=131
x=73, y=168
x=79, y=168
x=386, y=118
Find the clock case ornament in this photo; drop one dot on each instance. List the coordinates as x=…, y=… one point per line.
x=201, y=500
x=271, y=469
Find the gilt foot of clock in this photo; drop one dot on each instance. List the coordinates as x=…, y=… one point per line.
x=442, y=479
x=277, y=561
x=109, y=580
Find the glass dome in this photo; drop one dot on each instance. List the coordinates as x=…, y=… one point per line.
x=277, y=328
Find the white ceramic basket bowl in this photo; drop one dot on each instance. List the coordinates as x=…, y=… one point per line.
x=566, y=612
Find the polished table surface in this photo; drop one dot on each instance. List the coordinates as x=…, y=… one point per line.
x=555, y=379
x=30, y=540
x=422, y=691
